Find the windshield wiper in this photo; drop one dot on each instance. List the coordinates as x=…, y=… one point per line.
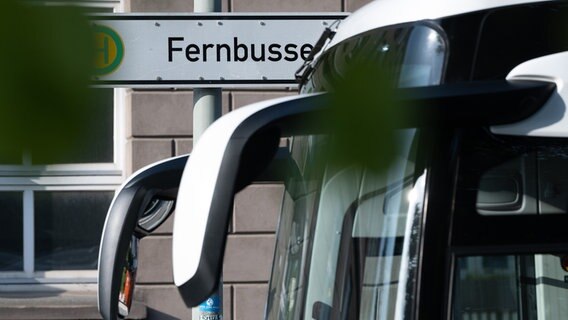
x=324, y=39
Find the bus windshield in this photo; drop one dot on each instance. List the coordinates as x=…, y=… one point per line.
x=347, y=241
x=348, y=236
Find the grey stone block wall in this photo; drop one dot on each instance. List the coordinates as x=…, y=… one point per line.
x=159, y=125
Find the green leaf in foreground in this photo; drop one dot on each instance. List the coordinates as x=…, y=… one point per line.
x=45, y=63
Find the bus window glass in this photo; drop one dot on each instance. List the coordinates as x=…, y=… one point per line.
x=509, y=228
x=287, y=285
x=528, y=287
x=348, y=238
x=344, y=250
x=513, y=176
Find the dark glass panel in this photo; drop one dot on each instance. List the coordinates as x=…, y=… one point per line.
x=68, y=227
x=11, y=231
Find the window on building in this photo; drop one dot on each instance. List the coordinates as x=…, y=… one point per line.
x=53, y=207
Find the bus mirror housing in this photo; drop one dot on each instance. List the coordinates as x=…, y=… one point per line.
x=140, y=206
x=551, y=120
x=226, y=159
x=157, y=210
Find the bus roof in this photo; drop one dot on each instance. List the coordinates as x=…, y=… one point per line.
x=381, y=13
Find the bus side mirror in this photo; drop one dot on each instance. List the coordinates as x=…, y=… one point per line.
x=155, y=213
x=140, y=206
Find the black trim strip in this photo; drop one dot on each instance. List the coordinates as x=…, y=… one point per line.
x=545, y=281
x=197, y=16
x=434, y=264
x=474, y=230
x=479, y=103
x=202, y=82
x=508, y=249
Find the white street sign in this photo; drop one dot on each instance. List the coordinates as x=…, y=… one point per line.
x=204, y=50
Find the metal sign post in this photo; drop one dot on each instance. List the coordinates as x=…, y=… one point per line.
x=207, y=107
x=206, y=101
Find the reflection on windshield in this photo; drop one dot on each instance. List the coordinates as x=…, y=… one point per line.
x=415, y=54
x=346, y=246
x=287, y=281
x=344, y=241
x=347, y=240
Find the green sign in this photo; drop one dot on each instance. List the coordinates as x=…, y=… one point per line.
x=109, y=50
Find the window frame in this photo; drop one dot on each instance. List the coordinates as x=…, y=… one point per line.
x=29, y=178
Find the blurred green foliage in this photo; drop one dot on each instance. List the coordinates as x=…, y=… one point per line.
x=45, y=64
x=364, y=115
